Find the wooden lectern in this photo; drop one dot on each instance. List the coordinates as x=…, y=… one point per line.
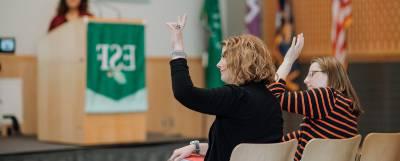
x=61, y=94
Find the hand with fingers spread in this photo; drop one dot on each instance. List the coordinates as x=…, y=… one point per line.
x=291, y=55
x=176, y=29
x=295, y=49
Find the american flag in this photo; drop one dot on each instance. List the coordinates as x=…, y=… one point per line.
x=341, y=20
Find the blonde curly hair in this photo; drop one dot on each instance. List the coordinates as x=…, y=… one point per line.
x=248, y=59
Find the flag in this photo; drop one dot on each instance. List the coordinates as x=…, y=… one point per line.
x=253, y=17
x=341, y=20
x=212, y=20
x=115, y=68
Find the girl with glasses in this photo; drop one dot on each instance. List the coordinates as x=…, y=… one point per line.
x=330, y=106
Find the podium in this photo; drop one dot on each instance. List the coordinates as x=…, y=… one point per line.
x=62, y=92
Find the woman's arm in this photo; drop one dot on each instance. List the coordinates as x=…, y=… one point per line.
x=217, y=101
x=313, y=103
x=291, y=55
x=292, y=135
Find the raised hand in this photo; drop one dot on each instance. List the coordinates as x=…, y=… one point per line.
x=291, y=55
x=295, y=49
x=176, y=29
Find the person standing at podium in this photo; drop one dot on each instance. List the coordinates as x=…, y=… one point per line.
x=69, y=10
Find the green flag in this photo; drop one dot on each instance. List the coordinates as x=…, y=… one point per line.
x=115, y=68
x=211, y=17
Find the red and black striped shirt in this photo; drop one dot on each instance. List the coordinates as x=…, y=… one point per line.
x=328, y=114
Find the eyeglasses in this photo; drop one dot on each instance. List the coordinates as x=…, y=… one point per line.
x=312, y=73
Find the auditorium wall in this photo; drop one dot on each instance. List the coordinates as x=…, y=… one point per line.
x=28, y=20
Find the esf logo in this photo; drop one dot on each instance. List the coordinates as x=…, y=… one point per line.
x=115, y=56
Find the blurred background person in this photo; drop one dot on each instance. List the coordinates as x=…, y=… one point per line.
x=69, y=10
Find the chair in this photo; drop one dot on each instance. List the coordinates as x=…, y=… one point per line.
x=265, y=152
x=332, y=149
x=381, y=147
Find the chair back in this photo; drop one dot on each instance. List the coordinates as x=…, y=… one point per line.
x=265, y=152
x=381, y=147
x=332, y=149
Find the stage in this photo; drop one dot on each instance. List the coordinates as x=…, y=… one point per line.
x=23, y=148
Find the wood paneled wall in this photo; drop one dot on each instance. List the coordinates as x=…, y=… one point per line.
x=374, y=34
x=165, y=114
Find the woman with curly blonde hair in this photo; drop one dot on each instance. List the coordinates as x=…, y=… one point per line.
x=245, y=111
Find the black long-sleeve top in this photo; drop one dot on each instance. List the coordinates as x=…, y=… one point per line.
x=248, y=113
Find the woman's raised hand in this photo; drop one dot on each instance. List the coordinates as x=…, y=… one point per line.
x=176, y=29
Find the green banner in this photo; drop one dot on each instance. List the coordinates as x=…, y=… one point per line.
x=211, y=18
x=115, y=68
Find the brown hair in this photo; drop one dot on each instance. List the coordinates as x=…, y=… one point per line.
x=63, y=7
x=248, y=59
x=339, y=80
